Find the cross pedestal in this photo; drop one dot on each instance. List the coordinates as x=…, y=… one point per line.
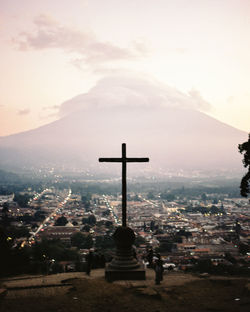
x=124, y=266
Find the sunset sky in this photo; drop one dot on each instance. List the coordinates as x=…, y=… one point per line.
x=54, y=50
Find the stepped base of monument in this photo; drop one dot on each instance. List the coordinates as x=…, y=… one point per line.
x=114, y=274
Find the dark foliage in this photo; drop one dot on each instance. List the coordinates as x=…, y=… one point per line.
x=61, y=221
x=165, y=247
x=210, y=210
x=105, y=242
x=91, y=220
x=81, y=240
x=22, y=199
x=244, y=149
x=42, y=257
x=168, y=196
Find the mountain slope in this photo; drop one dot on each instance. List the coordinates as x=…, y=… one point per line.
x=171, y=137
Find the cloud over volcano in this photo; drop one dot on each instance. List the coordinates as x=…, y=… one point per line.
x=133, y=91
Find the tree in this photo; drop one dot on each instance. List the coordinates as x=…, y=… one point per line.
x=135, y=198
x=22, y=199
x=106, y=213
x=152, y=225
x=165, y=247
x=92, y=220
x=39, y=216
x=150, y=195
x=5, y=209
x=5, y=215
x=168, y=196
x=26, y=218
x=61, y=221
x=86, y=228
x=244, y=248
x=52, y=249
x=86, y=198
x=104, y=242
x=204, y=197
x=182, y=232
x=109, y=224
x=81, y=241
x=244, y=149
x=18, y=232
x=87, y=206
x=84, y=220
x=5, y=251
x=139, y=240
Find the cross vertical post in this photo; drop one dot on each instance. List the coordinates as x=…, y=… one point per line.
x=124, y=186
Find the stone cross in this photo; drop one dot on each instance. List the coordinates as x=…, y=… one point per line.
x=124, y=161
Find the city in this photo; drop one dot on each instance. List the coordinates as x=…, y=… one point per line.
x=208, y=232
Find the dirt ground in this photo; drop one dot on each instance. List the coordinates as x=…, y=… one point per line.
x=178, y=292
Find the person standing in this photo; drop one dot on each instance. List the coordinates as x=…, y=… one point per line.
x=150, y=257
x=89, y=260
x=158, y=267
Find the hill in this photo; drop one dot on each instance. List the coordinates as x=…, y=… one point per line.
x=155, y=122
x=179, y=292
x=6, y=177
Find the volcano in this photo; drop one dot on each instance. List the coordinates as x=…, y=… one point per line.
x=156, y=122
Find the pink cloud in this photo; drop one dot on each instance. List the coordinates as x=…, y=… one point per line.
x=50, y=34
x=22, y=112
x=54, y=107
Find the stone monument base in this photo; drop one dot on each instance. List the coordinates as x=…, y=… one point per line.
x=113, y=274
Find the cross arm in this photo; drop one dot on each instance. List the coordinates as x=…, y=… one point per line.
x=110, y=159
x=123, y=159
x=137, y=159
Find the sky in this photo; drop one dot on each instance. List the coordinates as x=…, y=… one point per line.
x=54, y=50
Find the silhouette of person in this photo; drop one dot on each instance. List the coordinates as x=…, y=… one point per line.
x=102, y=261
x=158, y=267
x=134, y=252
x=89, y=259
x=150, y=258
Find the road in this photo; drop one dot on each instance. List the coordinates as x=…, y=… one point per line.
x=48, y=218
